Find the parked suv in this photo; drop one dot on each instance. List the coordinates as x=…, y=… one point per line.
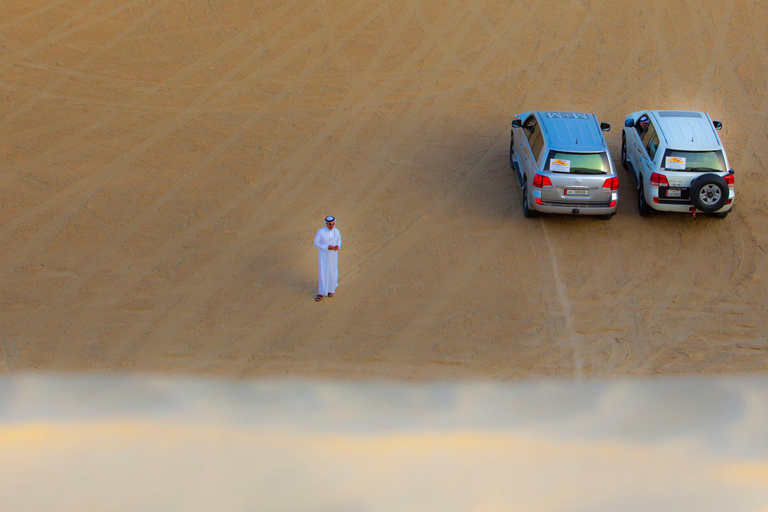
x=677, y=162
x=562, y=164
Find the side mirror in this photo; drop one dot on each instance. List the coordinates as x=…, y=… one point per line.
x=605, y=127
x=730, y=171
x=718, y=125
x=629, y=123
x=517, y=123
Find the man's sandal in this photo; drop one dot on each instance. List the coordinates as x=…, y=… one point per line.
x=318, y=298
x=330, y=295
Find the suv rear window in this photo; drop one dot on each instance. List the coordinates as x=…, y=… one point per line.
x=695, y=161
x=578, y=163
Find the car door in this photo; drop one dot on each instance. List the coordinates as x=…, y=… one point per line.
x=518, y=150
x=650, y=143
x=635, y=146
x=530, y=147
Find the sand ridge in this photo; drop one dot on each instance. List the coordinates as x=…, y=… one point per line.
x=166, y=163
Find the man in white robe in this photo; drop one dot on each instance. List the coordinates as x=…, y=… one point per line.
x=328, y=243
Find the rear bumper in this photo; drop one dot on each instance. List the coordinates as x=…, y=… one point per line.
x=666, y=205
x=574, y=209
x=685, y=208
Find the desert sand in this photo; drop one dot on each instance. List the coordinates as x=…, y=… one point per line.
x=166, y=163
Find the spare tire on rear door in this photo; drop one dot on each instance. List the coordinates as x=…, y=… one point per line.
x=709, y=192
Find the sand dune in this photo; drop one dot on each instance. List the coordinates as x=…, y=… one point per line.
x=165, y=164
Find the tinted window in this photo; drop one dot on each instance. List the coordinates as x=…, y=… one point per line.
x=651, y=141
x=696, y=161
x=537, y=142
x=533, y=132
x=580, y=163
x=531, y=127
x=648, y=133
x=642, y=126
x=653, y=145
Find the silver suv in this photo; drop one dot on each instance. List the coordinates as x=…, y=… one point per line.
x=677, y=162
x=563, y=164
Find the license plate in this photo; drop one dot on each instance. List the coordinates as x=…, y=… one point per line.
x=576, y=192
x=674, y=192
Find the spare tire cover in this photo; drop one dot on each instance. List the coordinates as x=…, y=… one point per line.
x=709, y=192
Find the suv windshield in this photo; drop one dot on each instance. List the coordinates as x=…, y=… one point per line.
x=578, y=163
x=694, y=161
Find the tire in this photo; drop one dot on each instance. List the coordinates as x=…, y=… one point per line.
x=721, y=215
x=624, y=151
x=642, y=207
x=709, y=193
x=608, y=216
x=511, y=152
x=528, y=212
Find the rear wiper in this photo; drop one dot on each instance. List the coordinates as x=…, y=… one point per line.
x=702, y=169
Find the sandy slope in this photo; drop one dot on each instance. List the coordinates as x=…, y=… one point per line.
x=165, y=164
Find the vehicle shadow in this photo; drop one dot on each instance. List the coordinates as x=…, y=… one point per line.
x=471, y=171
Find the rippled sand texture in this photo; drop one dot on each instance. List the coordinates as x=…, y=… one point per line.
x=165, y=164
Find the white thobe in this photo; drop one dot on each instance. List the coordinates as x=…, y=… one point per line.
x=328, y=260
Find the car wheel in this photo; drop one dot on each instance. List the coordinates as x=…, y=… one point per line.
x=511, y=153
x=608, y=216
x=642, y=206
x=624, y=151
x=721, y=215
x=709, y=193
x=527, y=210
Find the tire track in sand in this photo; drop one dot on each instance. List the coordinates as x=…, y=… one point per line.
x=88, y=187
x=141, y=95
x=58, y=34
x=414, y=113
x=104, y=257
x=31, y=14
x=66, y=73
x=63, y=295
x=14, y=363
x=395, y=247
x=351, y=273
x=217, y=268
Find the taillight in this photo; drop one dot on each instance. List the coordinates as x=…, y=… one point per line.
x=729, y=179
x=613, y=203
x=611, y=183
x=540, y=181
x=659, y=180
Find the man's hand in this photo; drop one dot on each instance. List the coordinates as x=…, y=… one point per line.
x=330, y=248
x=335, y=247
